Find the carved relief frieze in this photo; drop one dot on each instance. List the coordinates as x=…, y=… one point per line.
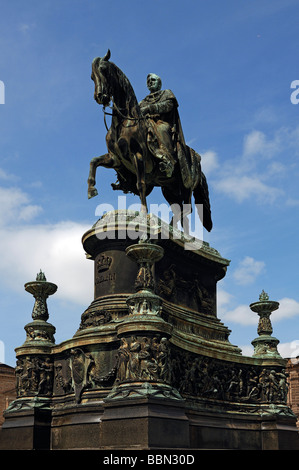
x=143, y=359
x=34, y=376
x=62, y=377
x=206, y=377
x=94, y=317
x=178, y=289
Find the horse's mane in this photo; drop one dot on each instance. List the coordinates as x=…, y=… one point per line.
x=123, y=82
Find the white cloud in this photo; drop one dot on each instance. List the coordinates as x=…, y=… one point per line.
x=248, y=270
x=241, y=315
x=256, y=143
x=277, y=168
x=257, y=173
x=29, y=212
x=242, y=188
x=288, y=350
x=57, y=250
x=25, y=248
x=247, y=349
x=223, y=299
x=291, y=202
x=209, y=161
x=15, y=206
x=288, y=308
x=25, y=27
x=6, y=176
x=266, y=115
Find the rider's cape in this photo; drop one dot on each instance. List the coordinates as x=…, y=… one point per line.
x=188, y=160
x=192, y=176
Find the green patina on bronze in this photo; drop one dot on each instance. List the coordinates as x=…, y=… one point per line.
x=146, y=144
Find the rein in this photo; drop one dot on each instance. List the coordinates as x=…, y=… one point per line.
x=114, y=106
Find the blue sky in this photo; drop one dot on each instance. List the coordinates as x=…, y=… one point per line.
x=230, y=65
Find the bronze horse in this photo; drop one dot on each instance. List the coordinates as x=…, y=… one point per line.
x=137, y=168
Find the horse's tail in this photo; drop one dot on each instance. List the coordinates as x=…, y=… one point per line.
x=201, y=197
x=194, y=180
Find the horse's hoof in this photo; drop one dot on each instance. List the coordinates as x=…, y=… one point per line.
x=92, y=193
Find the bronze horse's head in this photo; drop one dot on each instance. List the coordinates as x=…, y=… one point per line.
x=102, y=93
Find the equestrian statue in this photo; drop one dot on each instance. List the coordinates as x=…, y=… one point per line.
x=145, y=143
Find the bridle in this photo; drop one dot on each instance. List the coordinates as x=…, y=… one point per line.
x=116, y=108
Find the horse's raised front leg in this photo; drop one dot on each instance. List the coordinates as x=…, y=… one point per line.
x=104, y=160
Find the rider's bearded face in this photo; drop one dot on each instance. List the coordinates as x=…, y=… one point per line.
x=153, y=83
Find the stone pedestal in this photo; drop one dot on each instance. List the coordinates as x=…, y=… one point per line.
x=145, y=420
x=150, y=365
x=27, y=425
x=143, y=410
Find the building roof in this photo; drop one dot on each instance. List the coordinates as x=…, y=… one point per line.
x=6, y=367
